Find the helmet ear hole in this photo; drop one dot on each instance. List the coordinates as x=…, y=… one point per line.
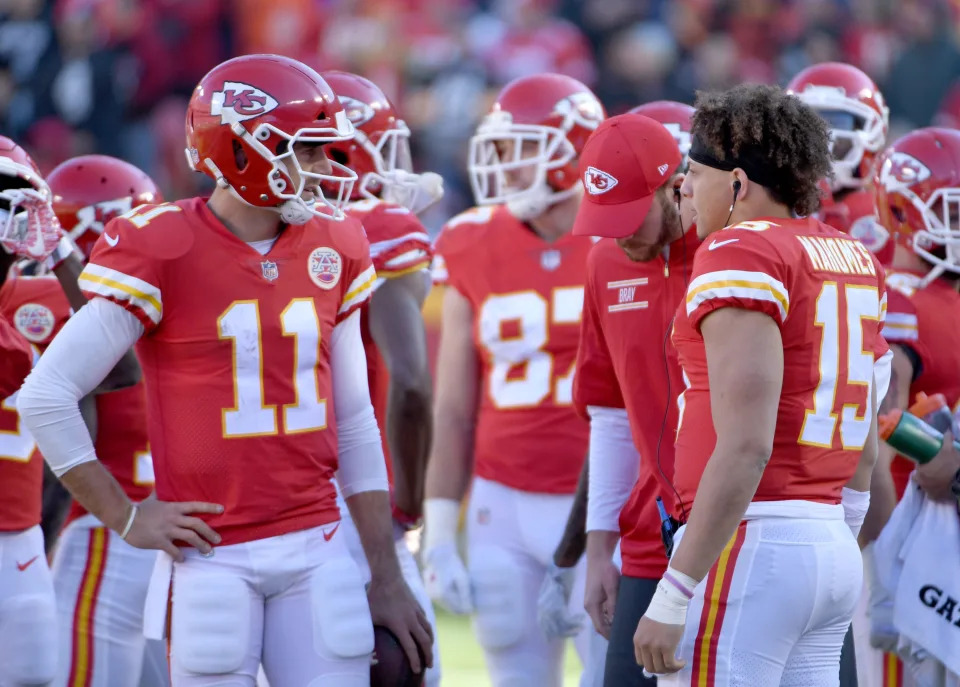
x=240, y=156
x=337, y=155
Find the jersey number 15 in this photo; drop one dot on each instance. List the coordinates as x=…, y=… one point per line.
x=852, y=367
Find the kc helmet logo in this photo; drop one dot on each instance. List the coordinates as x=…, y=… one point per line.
x=597, y=181
x=902, y=170
x=238, y=102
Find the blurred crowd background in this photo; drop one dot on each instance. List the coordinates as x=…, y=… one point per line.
x=114, y=76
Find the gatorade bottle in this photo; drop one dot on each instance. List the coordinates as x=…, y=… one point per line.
x=911, y=436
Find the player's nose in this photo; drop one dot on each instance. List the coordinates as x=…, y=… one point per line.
x=320, y=164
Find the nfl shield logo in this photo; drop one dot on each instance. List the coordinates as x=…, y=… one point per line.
x=270, y=271
x=550, y=260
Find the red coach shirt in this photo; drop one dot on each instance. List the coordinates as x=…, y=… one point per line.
x=627, y=361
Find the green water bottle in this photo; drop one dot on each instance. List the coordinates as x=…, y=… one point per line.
x=911, y=436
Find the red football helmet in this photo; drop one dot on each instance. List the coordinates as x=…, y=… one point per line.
x=90, y=190
x=380, y=152
x=243, y=121
x=675, y=118
x=917, y=189
x=552, y=112
x=18, y=174
x=854, y=109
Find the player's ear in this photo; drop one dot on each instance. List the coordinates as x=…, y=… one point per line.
x=739, y=184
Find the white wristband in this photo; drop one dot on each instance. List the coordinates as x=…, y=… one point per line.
x=855, y=507
x=670, y=601
x=440, y=520
x=126, y=528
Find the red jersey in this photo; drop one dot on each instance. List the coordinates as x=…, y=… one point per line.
x=121, y=443
x=236, y=357
x=16, y=359
x=399, y=245
x=38, y=309
x=618, y=368
x=36, y=306
x=925, y=321
x=527, y=297
x=826, y=293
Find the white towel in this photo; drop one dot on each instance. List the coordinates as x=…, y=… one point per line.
x=918, y=561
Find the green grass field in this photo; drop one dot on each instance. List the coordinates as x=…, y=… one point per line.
x=462, y=659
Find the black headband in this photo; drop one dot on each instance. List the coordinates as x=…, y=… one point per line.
x=750, y=160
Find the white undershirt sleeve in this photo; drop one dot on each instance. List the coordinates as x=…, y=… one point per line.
x=80, y=356
x=362, y=465
x=614, y=467
x=881, y=374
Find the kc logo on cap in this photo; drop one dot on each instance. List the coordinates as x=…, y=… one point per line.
x=597, y=181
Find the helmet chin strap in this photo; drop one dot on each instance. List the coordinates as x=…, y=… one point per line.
x=294, y=212
x=538, y=200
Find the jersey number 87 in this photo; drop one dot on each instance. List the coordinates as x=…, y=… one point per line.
x=525, y=347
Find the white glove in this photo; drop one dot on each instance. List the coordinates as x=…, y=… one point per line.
x=446, y=580
x=34, y=233
x=553, y=605
x=444, y=575
x=416, y=192
x=883, y=633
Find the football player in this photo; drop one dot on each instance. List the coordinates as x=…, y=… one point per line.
x=636, y=275
x=28, y=615
x=917, y=187
x=777, y=337
x=505, y=424
x=246, y=308
x=858, y=118
x=385, y=198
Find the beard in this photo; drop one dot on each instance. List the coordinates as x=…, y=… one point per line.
x=639, y=251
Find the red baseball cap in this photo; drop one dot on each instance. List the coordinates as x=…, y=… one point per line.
x=625, y=160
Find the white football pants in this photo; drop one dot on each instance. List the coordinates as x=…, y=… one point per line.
x=511, y=536
x=101, y=585
x=775, y=607
x=296, y=602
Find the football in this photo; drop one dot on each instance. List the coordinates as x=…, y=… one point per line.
x=390, y=666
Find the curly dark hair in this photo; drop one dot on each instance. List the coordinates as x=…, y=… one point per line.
x=765, y=123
